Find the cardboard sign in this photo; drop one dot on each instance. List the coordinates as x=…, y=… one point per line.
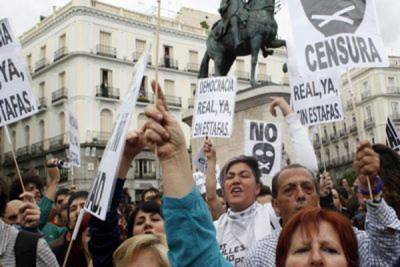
x=214, y=107
x=16, y=98
x=336, y=34
x=102, y=190
x=74, y=144
x=263, y=140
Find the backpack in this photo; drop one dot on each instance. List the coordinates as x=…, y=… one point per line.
x=25, y=249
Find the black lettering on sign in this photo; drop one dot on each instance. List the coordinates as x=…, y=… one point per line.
x=96, y=194
x=5, y=36
x=263, y=132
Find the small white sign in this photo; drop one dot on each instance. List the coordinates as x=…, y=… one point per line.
x=336, y=34
x=200, y=181
x=214, y=107
x=263, y=140
x=16, y=98
x=200, y=161
x=74, y=143
x=102, y=190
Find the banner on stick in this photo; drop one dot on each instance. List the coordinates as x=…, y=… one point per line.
x=74, y=143
x=393, y=138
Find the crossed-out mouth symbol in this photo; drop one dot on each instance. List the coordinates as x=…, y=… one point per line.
x=262, y=165
x=337, y=16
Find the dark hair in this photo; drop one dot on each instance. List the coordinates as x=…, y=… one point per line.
x=249, y=161
x=3, y=196
x=389, y=171
x=28, y=178
x=151, y=189
x=265, y=191
x=60, y=192
x=309, y=219
x=275, y=179
x=76, y=195
x=147, y=207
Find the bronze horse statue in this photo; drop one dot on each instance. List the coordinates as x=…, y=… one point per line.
x=258, y=33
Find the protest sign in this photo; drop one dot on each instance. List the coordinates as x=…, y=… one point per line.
x=393, y=139
x=263, y=140
x=102, y=190
x=317, y=98
x=200, y=161
x=200, y=181
x=74, y=144
x=214, y=107
x=16, y=98
x=336, y=34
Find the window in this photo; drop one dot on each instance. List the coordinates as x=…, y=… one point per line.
x=14, y=139
x=368, y=112
x=337, y=152
x=140, y=46
x=61, y=119
x=143, y=87
x=344, y=127
x=29, y=61
x=41, y=89
x=106, y=121
x=62, y=41
x=193, y=57
x=145, y=169
x=334, y=130
x=41, y=130
x=325, y=133
x=328, y=155
x=193, y=87
x=168, y=57
x=106, y=77
x=395, y=108
x=61, y=80
x=43, y=52
x=27, y=136
x=169, y=87
x=240, y=65
x=262, y=68
x=105, y=38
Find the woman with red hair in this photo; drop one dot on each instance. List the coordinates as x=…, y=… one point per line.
x=317, y=237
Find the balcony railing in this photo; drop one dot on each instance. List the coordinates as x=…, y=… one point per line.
x=193, y=67
x=242, y=75
x=317, y=143
x=395, y=117
x=353, y=128
x=42, y=103
x=334, y=138
x=23, y=152
x=263, y=77
x=347, y=159
x=349, y=106
x=105, y=50
x=325, y=140
x=136, y=56
x=41, y=64
x=59, y=95
x=58, y=142
x=103, y=91
x=145, y=98
x=190, y=103
x=100, y=138
x=169, y=63
x=369, y=123
x=173, y=101
x=393, y=90
x=37, y=148
x=61, y=52
x=145, y=176
x=344, y=133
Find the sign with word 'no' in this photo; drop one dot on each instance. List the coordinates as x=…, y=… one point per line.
x=102, y=190
x=333, y=34
x=214, y=107
x=263, y=140
x=74, y=144
x=16, y=97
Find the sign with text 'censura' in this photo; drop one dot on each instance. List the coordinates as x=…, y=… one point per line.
x=214, y=107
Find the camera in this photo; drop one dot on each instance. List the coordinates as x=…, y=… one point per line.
x=59, y=164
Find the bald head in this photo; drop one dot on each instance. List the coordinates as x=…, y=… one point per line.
x=11, y=214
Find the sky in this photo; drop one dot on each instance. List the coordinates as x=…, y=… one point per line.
x=24, y=14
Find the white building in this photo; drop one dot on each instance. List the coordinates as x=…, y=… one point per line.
x=81, y=59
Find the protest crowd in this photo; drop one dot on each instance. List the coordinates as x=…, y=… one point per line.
x=304, y=219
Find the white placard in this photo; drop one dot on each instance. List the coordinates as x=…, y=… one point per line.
x=200, y=181
x=16, y=98
x=200, y=161
x=102, y=190
x=214, y=107
x=263, y=140
x=74, y=143
x=316, y=98
x=333, y=34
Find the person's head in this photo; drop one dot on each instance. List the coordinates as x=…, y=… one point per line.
x=294, y=188
x=76, y=202
x=142, y=250
x=32, y=183
x=265, y=195
x=336, y=199
x=240, y=181
x=151, y=193
x=317, y=237
x=146, y=219
x=390, y=173
x=3, y=196
x=83, y=236
x=345, y=183
x=61, y=195
x=12, y=214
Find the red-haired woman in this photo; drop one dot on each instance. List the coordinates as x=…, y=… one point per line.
x=317, y=237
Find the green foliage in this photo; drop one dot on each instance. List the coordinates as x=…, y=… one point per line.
x=204, y=25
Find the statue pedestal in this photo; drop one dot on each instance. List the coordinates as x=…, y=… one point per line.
x=251, y=104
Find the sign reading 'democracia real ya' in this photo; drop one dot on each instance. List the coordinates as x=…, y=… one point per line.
x=214, y=107
x=263, y=140
x=332, y=34
x=16, y=97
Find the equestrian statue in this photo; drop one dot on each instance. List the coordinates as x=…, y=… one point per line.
x=245, y=28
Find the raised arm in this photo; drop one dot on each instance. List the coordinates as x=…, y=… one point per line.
x=304, y=153
x=215, y=205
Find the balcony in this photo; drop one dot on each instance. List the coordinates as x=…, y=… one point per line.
x=41, y=64
x=395, y=117
x=317, y=144
x=347, y=159
x=42, y=104
x=190, y=103
x=60, y=53
x=169, y=63
x=334, y=138
x=193, y=67
x=349, y=106
x=106, y=51
x=369, y=123
x=59, y=95
x=242, y=75
x=353, y=129
x=263, y=77
x=100, y=138
x=145, y=176
x=107, y=92
x=365, y=95
x=344, y=133
x=58, y=142
x=325, y=141
x=173, y=101
x=393, y=90
x=23, y=152
x=136, y=56
x=144, y=98
x=37, y=148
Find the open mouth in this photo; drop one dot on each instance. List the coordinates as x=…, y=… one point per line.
x=236, y=190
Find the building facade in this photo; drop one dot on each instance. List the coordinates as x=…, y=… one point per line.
x=81, y=59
